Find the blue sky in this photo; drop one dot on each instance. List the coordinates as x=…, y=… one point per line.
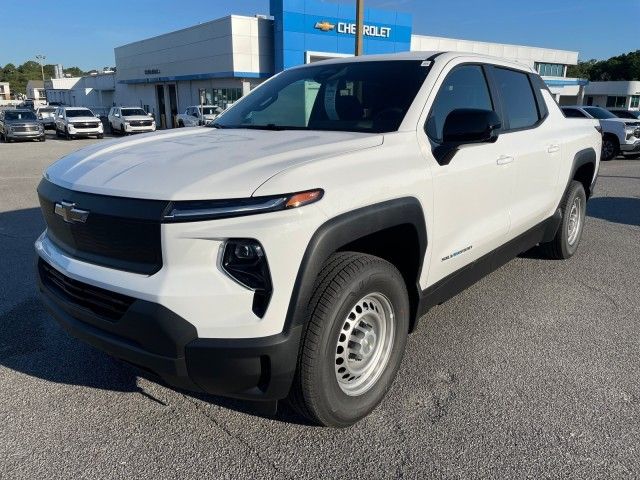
x=83, y=33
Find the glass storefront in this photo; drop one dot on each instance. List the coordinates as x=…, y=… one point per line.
x=221, y=97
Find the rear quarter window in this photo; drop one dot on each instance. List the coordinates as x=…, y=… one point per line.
x=518, y=98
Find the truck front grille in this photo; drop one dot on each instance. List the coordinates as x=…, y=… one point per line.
x=118, y=232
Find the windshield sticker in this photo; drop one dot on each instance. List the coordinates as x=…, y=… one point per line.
x=330, y=100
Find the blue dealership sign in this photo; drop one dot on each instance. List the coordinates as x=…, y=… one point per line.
x=305, y=26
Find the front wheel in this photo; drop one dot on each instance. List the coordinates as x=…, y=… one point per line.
x=354, y=339
x=610, y=148
x=567, y=239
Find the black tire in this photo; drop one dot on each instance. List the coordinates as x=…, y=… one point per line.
x=632, y=156
x=100, y=135
x=345, y=280
x=67, y=135
x=122, y=130
x=560, y=247
x=610, y=147
x=57, y=132
x=2, y=138
x=43, y=138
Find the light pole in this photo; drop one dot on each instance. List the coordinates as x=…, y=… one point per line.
x=359, y=27
x=41, y=58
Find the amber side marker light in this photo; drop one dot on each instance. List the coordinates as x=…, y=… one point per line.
x=304, y=198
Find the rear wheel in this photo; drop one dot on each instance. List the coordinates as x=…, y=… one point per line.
x=67, y=135
x=354, y=339
x=610, y=147
x=568, y=236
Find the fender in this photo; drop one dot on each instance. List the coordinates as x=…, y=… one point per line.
x=584, y=157
x=344, y=229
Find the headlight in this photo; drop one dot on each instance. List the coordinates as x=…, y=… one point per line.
x=245, y=262
x=193, y=211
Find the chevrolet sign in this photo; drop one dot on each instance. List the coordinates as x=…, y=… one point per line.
x=350, y=29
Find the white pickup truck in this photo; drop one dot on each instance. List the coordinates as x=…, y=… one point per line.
x=198, y=115
x=288, y=250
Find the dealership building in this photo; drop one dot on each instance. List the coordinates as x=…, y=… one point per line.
x=219, y=61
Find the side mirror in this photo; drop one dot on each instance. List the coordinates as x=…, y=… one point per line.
x=466, y=126
x=150, y=114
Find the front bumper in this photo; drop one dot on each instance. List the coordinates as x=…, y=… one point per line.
x=630, y=147
x=141, y=129
x=88, y=132
x=159, y=341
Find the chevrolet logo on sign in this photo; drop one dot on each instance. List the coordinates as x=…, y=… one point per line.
x=325, y=26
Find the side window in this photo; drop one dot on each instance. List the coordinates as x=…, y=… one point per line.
x=464, y=87
x=518, y=98
x=573, y=113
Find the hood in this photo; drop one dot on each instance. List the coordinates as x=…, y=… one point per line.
x=82, y=119
x=197, y=164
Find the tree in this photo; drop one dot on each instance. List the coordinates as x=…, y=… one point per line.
x=18, y=77
x=620, y=67
x=74, y=72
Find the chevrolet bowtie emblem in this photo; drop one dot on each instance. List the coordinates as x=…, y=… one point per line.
x=325, y=26
x=69, y=212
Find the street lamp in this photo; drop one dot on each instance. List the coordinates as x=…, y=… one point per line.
x=41, y=58
x=359, y=27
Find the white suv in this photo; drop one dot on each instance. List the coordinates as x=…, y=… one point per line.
x=289, y=249
x=73, y=122
x=619, y=135
x=124, y=120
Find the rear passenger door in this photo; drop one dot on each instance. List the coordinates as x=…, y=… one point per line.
x=533, y=143
x=471, y=193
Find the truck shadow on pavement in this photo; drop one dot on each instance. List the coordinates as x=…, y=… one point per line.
x=624, y=210
x=33, y=344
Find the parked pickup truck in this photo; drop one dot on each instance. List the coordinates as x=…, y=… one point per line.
x=198, y=115
x=619, y=135
x=289, y=249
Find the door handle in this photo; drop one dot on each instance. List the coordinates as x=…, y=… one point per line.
x=504, y=159
x=553, y=148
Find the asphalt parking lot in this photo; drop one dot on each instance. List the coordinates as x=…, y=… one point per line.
x=533, y=372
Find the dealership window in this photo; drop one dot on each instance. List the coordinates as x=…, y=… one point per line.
x=221, y=97
x=635, y=101
x=550, y=69
x=616, y=102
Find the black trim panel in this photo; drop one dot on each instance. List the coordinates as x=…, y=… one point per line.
x=584, y=157
x=345, y=229
x=459, y=280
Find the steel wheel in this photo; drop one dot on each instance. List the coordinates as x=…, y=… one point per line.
x=364, y=344
x=575, y=220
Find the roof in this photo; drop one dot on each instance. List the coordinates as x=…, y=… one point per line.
x=421, y=55
x=35, y=84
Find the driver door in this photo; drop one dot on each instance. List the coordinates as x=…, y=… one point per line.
x=471, y=193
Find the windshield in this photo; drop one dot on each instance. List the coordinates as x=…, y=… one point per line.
x=129, y=112
x=83, y=112
x=8, y=115
x=368, y=96
x=599, y=113
x=210, y=110
x=625, y=114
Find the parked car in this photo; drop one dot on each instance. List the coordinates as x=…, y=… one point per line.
x=626, y=114
x=47, y=116
x=73, y=122
x=288, y=249
x=21, y=124
x=198, y=115
x=126, y=120
x=619, y=135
